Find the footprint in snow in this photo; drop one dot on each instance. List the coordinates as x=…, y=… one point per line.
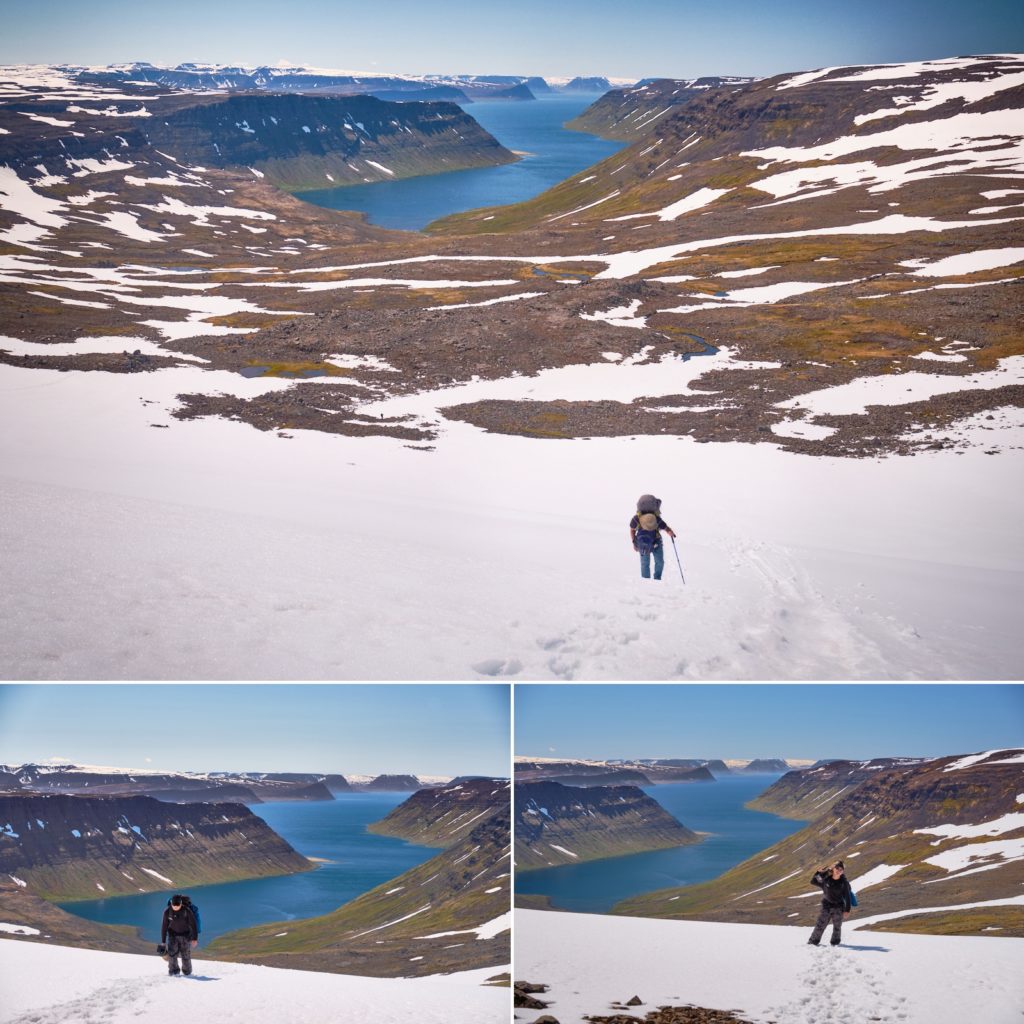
x=498, y=667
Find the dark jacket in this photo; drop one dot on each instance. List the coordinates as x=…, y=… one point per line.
x=179, y=922
x=836, y=891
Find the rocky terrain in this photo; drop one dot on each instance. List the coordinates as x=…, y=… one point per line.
x=931, y=846
x=64, y=847
x=878, y=222
x=451, y=913
x=883, y=240
x=558, y=824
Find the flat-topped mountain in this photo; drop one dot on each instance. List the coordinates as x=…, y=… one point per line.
x=179, y=787
x=65, y=847
x=929, y=846
x=765, y=765
x=294, y=140
x=558, y=824
x=392, y=783
x=441, y=816
x=640, y=771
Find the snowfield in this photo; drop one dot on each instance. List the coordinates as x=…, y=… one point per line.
x=766, y=973
x=211, y=550
x=41, y=984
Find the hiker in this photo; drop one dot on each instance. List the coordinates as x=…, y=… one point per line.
x=835, y=904
x=645, y=532
x=180, y=932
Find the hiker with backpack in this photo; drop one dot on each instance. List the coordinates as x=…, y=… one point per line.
x=837, y=900
x=645, y=532
x=179, y=934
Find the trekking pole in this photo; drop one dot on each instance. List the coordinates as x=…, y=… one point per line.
x=680, y=564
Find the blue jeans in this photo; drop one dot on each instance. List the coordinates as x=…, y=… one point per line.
x=659, y=561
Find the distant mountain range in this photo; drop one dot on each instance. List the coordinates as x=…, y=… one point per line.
x=226, y=77
x=193, y=787
x=642, y=771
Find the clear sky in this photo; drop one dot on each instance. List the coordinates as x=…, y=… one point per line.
x=617, y=38
x=428, y=729
x=737, y=721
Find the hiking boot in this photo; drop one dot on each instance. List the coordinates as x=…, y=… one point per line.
x=174, y=973
x=811, y=942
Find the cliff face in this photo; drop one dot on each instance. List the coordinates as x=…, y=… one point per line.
x=441, y=817
x=558, y=824
x=451, y=913
x=628, y=114
x=72, y=847
x=309, y=142
x=914, y=836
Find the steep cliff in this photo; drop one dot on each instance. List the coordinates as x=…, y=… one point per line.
x=807, y=794
x=558, y=824
x=74, y=847
x=933, y=846
x=629, y=114
x=306, y=142
x=440, y=817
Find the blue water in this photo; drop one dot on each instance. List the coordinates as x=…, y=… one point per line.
x=335, y=831
x=555, y=153
x=595, y=886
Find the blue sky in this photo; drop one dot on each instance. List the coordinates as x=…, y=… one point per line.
x=428, y=729
x=737, y=721
x=623, y=38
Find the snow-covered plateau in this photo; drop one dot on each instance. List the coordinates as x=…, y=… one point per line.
x=765, y=973
x=41, y=984
x=207, y=549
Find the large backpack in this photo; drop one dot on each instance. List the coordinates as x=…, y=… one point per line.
x=647, y=532
x=648, y=503
x=187, y=904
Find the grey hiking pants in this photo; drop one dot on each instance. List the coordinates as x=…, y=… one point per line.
x=833, y=914
x=179, y=946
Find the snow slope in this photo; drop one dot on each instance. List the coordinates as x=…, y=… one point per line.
x=41, y=984
x=766, y=973
x=211, y=550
